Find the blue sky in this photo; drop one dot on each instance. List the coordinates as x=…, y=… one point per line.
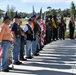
x=26, y=5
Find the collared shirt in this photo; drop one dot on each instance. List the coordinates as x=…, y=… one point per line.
x=5, y=33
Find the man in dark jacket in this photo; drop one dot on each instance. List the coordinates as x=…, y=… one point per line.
x=71, y=28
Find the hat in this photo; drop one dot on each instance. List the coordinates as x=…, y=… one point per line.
x=6, y=16
x=16, y=15
x=33, y=16
x=30, y=20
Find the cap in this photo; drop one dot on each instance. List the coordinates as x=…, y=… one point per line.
x=33, y=16
x=30, y=20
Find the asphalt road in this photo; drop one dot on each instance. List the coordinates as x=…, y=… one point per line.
x=56, y=58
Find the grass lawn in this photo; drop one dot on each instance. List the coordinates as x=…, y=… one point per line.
x=0, y=21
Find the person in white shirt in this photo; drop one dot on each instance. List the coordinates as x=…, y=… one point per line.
x=29, y=32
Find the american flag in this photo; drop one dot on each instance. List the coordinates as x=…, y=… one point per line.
x=0, y=52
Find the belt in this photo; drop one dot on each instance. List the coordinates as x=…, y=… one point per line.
x=18, y=36
x=7, y=40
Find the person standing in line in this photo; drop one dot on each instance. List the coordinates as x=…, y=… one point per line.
x=5, y=41
x=22, y=44
x=16, y=36
x=30, y=37
x=55, y=28
x=71, y=28
x=36, y=36
x=62, y=26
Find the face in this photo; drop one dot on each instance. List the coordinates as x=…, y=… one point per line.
x=20, y=23
x=17, y=20
x=7, y=21
x=39, y=20
x=30, y=22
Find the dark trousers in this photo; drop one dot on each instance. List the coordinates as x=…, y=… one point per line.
x=55, y=33
x=62, y=33
x=72, y=33
x=51, y=35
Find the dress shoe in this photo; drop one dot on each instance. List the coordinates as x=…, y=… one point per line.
x=23, y=59
x=18, y=63
x=29, y=57
x=9, y=68
x=36, y=54
x=6, y=70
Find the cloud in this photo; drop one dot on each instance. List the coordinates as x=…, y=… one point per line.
x=49, y=1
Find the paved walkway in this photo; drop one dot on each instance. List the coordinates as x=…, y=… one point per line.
x=56, y=58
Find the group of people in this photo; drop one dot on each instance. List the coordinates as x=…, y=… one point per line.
x=30, y=35
x=35, y=34
x=55, y=28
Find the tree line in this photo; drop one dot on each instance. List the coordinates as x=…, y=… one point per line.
x=66, y=12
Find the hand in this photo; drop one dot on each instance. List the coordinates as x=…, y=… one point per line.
x=22, y=34
x=15, y=42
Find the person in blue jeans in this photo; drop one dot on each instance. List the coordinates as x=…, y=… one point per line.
x=16, y=36
x=5, y=41
x=29, y=32
x=37, y=32
x=22, y=44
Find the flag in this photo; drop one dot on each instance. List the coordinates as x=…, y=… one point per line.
x=33, y=13
x=41, y=13
x=0, y=52
x=45, y=17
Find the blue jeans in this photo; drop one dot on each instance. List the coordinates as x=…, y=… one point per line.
x=22, y=48
x=28, y=48
x=16, y=50
x=35, y=44
x=5, y=52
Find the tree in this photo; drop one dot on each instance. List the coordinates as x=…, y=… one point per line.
x=12, y=10
x=59, y=12
x=72, y=9
x=54, y=12
x=1, y=13
x=49, y=8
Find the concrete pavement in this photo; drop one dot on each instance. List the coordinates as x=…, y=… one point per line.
x=56, y=58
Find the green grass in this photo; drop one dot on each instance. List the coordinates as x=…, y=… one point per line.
x=67, y=34
x=0, y=21
x=24, y=22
